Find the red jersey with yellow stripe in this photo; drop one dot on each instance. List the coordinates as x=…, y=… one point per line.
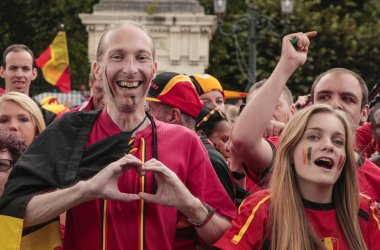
x=251, y=230
x=109, y=224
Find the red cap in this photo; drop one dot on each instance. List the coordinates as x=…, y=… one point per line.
x=175, y=90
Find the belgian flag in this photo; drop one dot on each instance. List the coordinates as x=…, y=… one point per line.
x=54, y=62
x=43, y=168
x=46, y=237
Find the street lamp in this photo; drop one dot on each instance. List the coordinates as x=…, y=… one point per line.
x=256, y=21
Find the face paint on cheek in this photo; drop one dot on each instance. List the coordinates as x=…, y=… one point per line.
x=304, y=156
x=341, y=162
x=108, y=82
x=308, y=155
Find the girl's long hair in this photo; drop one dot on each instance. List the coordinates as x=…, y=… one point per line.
x=290, y=228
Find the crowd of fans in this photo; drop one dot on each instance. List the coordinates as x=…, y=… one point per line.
x=160, y=161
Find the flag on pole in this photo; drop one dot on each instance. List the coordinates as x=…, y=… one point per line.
x=54, y=62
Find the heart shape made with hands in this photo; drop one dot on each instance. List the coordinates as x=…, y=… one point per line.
x=170, y=189
x=107, y=185
x=134, y=164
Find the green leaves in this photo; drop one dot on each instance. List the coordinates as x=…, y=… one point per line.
x=348, y=36
x=35, y=23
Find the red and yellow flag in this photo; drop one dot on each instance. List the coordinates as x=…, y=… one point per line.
x=230, y=94
x=54, y=62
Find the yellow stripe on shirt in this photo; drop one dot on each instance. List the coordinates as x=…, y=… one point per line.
x=142, y=204
x=104, y=224
x=236, y=239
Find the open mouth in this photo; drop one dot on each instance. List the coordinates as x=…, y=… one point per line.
x=128, y=85
x=324, y=162
x=18, y=83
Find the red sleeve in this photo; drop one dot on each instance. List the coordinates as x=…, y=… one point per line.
x=248, y=230
x=274, y=141
x=369, y=179
x=374, y=226
x=256, y=182
x=364, y=141
x=204, y=183
x=369, y=218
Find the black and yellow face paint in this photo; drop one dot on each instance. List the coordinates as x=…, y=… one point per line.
x=306, y=155
x=108, y=82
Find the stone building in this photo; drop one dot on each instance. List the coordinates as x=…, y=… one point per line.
x=180, y=29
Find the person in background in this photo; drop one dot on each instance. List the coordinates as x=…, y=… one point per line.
x=18, y=68
x=232, y=112
x=209, y=90
x=214, y=130
x=340, y=88
x=85, y=94
x=172, y=99
x=21, y=115
x=11, y=148
x=374, y=121
x=313, y=201
x=96, y=99
x=18, y=72
x=212, y=124
x=283, y=112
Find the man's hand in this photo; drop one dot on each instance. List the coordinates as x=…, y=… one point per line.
x=295, y=56
x=274, y=129
x=302, y=101
x=171, y=191
x=104, y=185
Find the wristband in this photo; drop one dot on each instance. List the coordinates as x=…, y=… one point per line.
x=210, y=213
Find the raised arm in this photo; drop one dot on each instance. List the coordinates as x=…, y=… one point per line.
x=247, y=132
x=44, y=207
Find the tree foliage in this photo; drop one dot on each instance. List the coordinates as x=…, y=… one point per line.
x=347, y=37
x=35, y=23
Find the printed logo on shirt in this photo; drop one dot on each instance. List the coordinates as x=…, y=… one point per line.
x=375, y=208
x=331, y=243
x=377, y=204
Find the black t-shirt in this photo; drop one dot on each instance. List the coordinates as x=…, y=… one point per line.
x=220, y=167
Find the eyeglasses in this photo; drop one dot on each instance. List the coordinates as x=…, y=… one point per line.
x=5, y=165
